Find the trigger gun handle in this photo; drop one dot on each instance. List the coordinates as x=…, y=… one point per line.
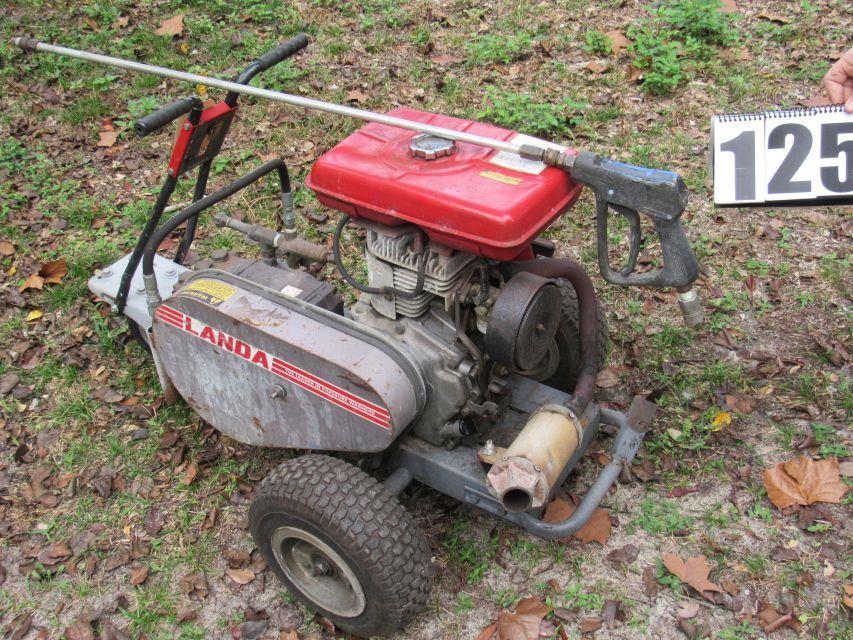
x=659, y=195
x=630, y=190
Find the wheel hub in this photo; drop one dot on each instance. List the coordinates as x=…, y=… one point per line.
x=318, y=571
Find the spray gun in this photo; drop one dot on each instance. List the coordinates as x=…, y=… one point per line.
x=628, y=190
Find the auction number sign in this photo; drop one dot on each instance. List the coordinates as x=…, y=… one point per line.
x=795, y=156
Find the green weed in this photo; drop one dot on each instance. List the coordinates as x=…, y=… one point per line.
x=668, y=579
x=493, y=48
x=660, y=516
x=464, y=602
x=577, y=595
x=521, y=112
x=597, y=43
x=743, y=631
x=678, y=36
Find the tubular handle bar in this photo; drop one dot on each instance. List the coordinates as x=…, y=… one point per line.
x=171, y=112
x=164, y=115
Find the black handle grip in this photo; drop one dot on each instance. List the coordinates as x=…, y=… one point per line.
x=165, y=115
x=679, y=269
x=283, y=51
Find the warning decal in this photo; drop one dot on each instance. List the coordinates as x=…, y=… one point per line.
x=500, y=177
x=332, y=393
x=212, y=292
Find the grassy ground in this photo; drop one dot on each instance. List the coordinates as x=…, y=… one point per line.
x=102, y=516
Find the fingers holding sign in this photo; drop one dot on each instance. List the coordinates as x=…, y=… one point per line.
x=839, y=81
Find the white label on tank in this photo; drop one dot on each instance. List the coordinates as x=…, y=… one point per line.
x=291, y=291
x=517, y=163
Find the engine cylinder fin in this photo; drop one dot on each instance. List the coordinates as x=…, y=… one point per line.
x=442, y=272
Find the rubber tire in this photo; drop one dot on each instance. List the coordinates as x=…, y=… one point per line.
x=568, y=340
x=363, y=523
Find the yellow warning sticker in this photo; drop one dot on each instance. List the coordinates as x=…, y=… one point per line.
x=500, y=177
x=212, y=292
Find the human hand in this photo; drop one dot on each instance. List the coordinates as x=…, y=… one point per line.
x=839, y=81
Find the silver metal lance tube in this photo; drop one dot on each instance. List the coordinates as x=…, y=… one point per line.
x=30, y=44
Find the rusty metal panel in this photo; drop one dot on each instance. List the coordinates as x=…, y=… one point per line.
x=270, y=372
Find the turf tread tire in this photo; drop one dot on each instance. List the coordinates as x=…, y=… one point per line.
x=568, y=339
x=375, y=533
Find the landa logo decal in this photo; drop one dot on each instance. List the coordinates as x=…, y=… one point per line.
x=308, y=381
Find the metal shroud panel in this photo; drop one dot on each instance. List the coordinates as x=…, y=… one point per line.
x=270, y=370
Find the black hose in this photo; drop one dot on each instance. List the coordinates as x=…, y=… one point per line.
x=339, y=263
x=588, y=312
x=144, y=238
x=192, y=223
x=200, y=205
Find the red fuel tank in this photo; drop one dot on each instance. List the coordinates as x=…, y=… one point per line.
x=475, y=199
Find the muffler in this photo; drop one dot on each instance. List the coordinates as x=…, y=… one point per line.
x=530, y=467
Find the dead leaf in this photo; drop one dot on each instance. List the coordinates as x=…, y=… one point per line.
x=730, y=587
x=607, y=378
x=522, y=622
x=532, y=606
x=185, y=614
x=694, y=572
x=6, y=248
x=79, y=630
x=728, y=6
x=138, y=574
x=356, y=96
x=650, y=583
x=171, y=26
x=618, y=41
x=721, y=420
x=740, y=403
x=817, y=101
x=846, y=468
x=19, y=626
x=774, y=17
x=153, y=522
x=771, y=619
x=624, y=555
x=804, y=482
x=190, y=474
x=595, y=66
x=688, y=609
x=588, y=625
x=241, y=576
x=54, y=271
x=848, y=596
x=611, y=612
x=597, y=528
x=34, y=315
x=194, y=585
x=486, y=634
x=35, y=281
x=107, y=138
x=107, y=394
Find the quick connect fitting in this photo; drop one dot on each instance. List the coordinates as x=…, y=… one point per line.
x=691, y=307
